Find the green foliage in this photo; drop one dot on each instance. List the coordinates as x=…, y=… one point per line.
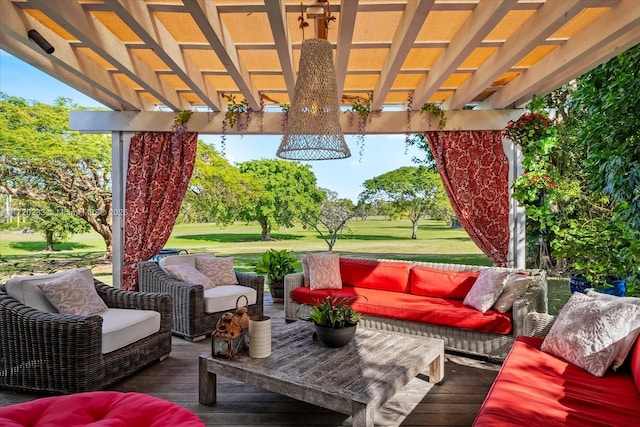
x=419, y=140
x=414, y=192
x=44, y=161
x=276, y=264
x=55, y=224
x=235, y=110
x=435, y=111
x=217, y=190
x=288, y=191
x=334, y=312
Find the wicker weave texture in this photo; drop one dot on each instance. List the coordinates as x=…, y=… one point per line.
x=467, y=341
x=189, y=318
x=60, y=353
x=313, y=127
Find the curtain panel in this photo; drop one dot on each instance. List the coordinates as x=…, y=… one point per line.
x=475, y=173
x=160, y=166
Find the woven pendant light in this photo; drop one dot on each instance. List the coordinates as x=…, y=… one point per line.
x=313, y=129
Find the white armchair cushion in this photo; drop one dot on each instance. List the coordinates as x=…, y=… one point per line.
x=121, y=327
x=25, y=289
x=223, y=298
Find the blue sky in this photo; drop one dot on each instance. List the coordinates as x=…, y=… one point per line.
x=382, y=153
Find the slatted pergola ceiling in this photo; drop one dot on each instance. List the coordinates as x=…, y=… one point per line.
x=135, y=55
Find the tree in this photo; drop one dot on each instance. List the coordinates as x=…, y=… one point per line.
x=55, y=224
x=217, y=190
x=331, y=221
x=288, y=190
x=414, y=192
x=42, y=160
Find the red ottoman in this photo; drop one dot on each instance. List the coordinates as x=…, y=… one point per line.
x=100, y=409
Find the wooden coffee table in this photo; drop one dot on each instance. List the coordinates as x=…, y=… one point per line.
x=354, y=380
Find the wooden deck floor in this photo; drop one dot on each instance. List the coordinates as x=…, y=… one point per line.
x=454, y=402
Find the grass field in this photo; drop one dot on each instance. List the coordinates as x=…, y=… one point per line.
x=375, y=238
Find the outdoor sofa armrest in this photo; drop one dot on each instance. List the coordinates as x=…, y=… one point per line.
x=291, y=281
x=533, y=300
x=538, y=324
x=254, y=281
x=32, y=341
x=156, y=301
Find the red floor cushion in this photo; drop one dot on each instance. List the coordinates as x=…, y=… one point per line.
x=538, y=389
x=99, y=408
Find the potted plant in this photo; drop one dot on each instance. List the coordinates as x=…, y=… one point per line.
x=276, y=264
x=595, y=250
x=334, y=319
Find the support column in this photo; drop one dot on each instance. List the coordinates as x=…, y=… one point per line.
x=120, y=142
x=517, y=219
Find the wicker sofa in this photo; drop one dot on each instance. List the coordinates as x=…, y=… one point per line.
x=60, y=353
x=191, y=320
x=374, y=284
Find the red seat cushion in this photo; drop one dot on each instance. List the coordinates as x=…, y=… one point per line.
x=434, y=282
x=415, y=308
x=538, y=389
x=372, y=274
x=99, y=408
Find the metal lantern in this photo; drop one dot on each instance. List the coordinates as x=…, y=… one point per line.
x=228, y=340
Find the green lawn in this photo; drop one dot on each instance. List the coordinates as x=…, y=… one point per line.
x=376, y=238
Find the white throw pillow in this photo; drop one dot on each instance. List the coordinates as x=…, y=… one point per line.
x=629, y=340
x=515, y=285
x=324, y=271
x=219, y=270
x=188, y=273
x=72, y=293
x=486, y=289
x=590, y=332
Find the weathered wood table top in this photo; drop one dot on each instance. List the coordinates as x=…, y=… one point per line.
x=354, y=380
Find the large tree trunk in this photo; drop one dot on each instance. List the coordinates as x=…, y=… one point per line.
x=414, y=232
x=266, y=229
x=48, y=235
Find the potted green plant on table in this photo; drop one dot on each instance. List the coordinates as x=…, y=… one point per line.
x=276, y=264
x=334, y=319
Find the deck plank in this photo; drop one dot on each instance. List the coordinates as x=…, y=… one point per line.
x=454, y=402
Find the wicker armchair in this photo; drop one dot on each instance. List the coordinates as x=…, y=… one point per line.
x=190, y=321
x=60, y=353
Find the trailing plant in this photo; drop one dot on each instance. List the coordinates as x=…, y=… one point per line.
x=361, y=108
x=407, y=137
x=284, y=121
x=434, y=111
x=179, y=128
x=233, y=117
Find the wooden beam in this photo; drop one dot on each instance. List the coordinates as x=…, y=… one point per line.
x=346, y=25
x=393, y=122
x=156, y=37
x=67, y=63
x=70, y=15
x=278, y=20
x=581, y=48
x=542, y=24
x=410, y=25
x=483, y=19
x=208, y=20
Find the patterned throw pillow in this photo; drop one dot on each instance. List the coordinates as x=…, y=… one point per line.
x=72, y=293
x=486, y=290
x=515, y=286
x=219, y=270
x=188, y=273
x=590, y=332
x=304, y=261
x=324, y=271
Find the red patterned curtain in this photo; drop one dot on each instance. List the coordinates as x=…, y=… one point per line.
x=160, y=166
x=475, y=173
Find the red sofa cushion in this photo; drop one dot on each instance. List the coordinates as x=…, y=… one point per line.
x=372, y=274
x=635, y=363
x=99, y=408
x=536, y=388
x=433, y=282
x=414, y=308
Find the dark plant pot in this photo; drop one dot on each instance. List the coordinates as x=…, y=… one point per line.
x=335, y=337
x=580, y=284
x=277, y=291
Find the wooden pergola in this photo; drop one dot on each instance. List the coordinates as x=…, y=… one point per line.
x=479, y=60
